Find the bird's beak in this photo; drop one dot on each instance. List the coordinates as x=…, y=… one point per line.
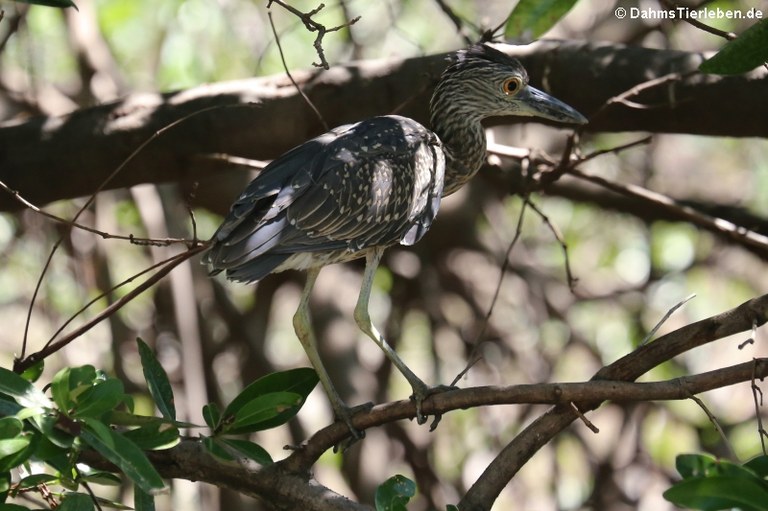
x=535, y=103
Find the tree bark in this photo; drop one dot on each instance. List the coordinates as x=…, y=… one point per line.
x=51, y=158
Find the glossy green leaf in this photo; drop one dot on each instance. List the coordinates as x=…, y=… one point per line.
x=51, y=3
x=99, y=399
x=249, y=450
x=157, y=381
x=69, y=383
x=704, y=465
x=531, y=18
x=143, y=501
x=262, y=410
x=215, y=448
x=758, y=465
x=23, y=392
x=10, y=427
x=742, y=54
x=124, y=454
x=36, y=479
x=154, y=436
x=211, y=415
x=300, y=381
x=14, y=507
x=720, y=492
x=15, y=451
x=76, y=502
x=394, y=493
x=101, y=477
x=33, y=372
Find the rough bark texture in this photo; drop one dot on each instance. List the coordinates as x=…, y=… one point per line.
x=46, y=159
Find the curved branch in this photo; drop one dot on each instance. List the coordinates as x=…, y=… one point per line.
x=628, y=368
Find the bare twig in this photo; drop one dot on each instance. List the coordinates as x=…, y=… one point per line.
x=290, y=76
x=88, y=203
x=698, y=24
x=665, y=318
x=717, y=426
x=474, y=355
x=729, y=230
x=572, y=281
x=314, y=26
x=757, y=398
x=21, y=364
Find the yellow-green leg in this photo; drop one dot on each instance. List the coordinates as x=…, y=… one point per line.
x=420, y=389
x=303, y=327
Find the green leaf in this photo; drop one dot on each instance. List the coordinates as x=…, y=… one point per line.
x=15, y=451
x=720, y=492
x=262, y=410
x=157, y=381
x=154, y=436
x=33, y=372
x=742, y=54
x=300, y=381
x=758, y=465
x=394, y=493
x=531, y=18
x=36, y=479
x=218, y=450
x=101, y=477
x=10, y=427
x=451, y=507
x=69, y=383
x=143, y=501
x=22, y=391
x=52, y=3
x=249, y=449
x=212, y=415
x=99, y=399
x=124, y=454
x=76, y=502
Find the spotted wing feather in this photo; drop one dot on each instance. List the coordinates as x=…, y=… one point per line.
x=374, y=183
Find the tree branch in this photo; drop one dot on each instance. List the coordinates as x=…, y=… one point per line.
x=628, y=368
x=262, y=118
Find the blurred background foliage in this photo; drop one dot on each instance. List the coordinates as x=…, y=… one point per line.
x=431, y=299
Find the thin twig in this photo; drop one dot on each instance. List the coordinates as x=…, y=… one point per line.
x=572, y=281
x=665, y=318
x=717, y=426
x=290, y=76
x=474, y=355
x=88, y=203
x=757, y=398
x=589, y=424
x=157, y=242
x=698, y=24
x=22, y=364
x=314, y=26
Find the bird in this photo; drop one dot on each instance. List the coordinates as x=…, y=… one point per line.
x=360, y=188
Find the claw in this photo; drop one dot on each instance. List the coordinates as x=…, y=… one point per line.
x=345, y=414
x=420, y=394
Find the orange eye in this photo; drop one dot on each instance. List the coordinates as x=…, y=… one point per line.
x=512, y=85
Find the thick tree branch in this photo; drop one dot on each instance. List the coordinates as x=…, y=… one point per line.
x=262, y=118
x=628, y=368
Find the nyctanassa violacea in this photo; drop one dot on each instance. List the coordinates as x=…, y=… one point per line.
x=363, y=187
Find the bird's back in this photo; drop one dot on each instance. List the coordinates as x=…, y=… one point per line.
x=374, y=183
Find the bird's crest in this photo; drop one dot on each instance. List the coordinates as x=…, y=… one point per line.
x=481, y=55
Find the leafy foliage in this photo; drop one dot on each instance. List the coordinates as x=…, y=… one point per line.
x=741, y=55
x=394, y=493
x=531, y=18
x=90, y=410
x=710, y=484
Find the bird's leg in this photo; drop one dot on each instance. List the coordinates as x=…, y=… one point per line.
x=303, y=327
x=420, y=389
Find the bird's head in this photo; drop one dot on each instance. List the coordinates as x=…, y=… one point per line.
x=492, y=83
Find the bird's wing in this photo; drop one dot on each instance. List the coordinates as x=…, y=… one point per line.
x=380, y=184
x=377, y=182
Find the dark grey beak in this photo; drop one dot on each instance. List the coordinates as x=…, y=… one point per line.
x=535, y=103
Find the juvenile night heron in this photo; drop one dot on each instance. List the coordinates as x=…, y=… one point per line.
x=360, y=188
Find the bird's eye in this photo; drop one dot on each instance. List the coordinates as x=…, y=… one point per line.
x=512, y=86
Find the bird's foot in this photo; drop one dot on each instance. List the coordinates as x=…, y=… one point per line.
x=420, y=394
x=345, y=414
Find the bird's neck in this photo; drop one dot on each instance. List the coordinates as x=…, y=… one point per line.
x=464, y=143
